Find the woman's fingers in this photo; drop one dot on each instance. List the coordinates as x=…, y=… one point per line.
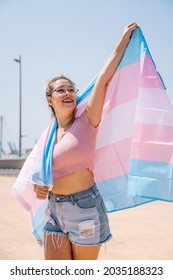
x=128, y=30
x=132, y=25
x=41, y=192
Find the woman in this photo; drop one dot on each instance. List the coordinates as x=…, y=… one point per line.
x=78, y=223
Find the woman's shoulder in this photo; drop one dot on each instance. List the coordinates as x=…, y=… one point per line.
x=85, y=120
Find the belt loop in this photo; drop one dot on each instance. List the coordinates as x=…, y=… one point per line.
x=52, y=196
x=95, y=191
x=72, y=199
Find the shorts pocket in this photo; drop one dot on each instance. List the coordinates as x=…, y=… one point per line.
x=86, y=203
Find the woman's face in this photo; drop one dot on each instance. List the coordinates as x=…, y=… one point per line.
x=63, y=96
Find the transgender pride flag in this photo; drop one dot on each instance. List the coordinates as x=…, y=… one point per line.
x=133, y=156
x=151, y=157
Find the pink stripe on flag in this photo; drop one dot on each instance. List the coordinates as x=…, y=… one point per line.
x=149, y=75
x=122, y=88
x=37, y=203
x=153, y=133
x=32, y=202
x=152, y=143
x=27, y=195
x=152, y=152
x=112, y=160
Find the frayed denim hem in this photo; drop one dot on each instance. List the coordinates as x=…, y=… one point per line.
x=90, y=245
x=57, y=239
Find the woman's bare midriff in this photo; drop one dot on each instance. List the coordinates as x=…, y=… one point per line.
x=74, y=182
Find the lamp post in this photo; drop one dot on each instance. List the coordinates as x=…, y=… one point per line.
x=1, y=122
x=19, y=60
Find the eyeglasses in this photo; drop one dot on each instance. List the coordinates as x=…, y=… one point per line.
x=61, y=91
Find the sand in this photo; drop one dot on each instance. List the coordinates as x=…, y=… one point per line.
x=143, y=232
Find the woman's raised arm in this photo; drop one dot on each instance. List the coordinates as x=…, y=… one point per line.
x=96, y=100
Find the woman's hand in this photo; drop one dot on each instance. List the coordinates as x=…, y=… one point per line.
x=128, y=30
x=41, y=192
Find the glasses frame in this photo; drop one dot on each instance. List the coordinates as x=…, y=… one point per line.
x=65, y=91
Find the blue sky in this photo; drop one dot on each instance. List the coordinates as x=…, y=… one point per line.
x=71, y=37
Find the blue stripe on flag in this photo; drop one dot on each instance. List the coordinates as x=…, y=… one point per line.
x=151, y=179
x=115, y=194
x=38, y=221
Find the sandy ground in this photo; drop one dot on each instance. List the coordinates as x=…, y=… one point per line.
x=144, y=232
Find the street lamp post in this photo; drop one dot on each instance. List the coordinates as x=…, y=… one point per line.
x=19, y=60
x=1, y=122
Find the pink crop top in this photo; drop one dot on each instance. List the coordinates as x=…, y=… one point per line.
x=75, y=151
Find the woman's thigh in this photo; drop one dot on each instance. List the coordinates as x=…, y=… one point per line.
x=85, y=252
x=57, y=247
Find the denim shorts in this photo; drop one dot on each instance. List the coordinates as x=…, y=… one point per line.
x=81, y=217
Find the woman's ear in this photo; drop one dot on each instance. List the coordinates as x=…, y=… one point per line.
x=49, y=100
